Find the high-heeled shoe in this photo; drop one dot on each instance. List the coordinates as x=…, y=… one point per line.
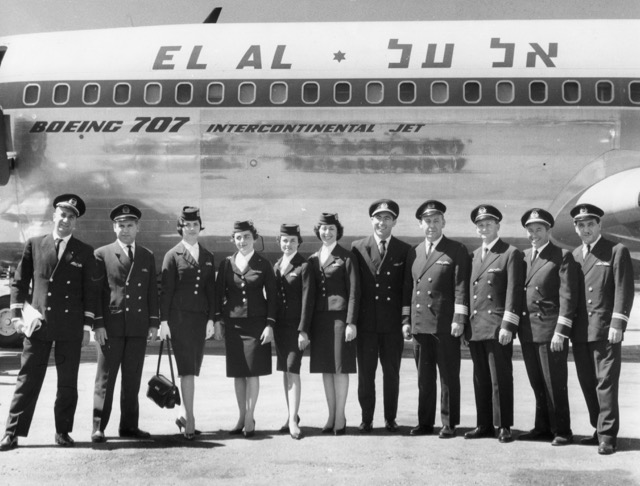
x=181, y=422
x=285, y=428
x=250, y=433
x=189, y=436
x=327, y=429
x=341, y=431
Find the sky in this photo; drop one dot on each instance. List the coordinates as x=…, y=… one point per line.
x=28, y=16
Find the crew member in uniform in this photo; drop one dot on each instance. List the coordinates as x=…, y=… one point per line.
x=296, y=293
x=247, y=296
x=187, y=308
x=496, y=297
x=335, y=317
x=381, y=264
x=127, y=315
x=436, y=310
x=606, y=298
x=551, y=296
x=59, y=269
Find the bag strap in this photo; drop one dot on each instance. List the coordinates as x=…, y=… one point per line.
x=173, y=380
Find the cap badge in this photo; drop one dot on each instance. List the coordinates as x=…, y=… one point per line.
x=482, y=210
x=384, y=206
x=534, y=214
x=73, y=201
x=583, y=210
x=126, y=210
x=198, y=213
x=431, y=206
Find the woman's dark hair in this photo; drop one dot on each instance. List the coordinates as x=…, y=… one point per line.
x=337, y=224
x=299, y=238
x=181, y=223
x=249, y=227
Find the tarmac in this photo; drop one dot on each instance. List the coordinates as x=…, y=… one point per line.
x=378, y=458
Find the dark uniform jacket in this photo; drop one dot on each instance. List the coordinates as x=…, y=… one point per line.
x=381, y=284
x=607, y=295
x=63, y=291
x=551, y=295
x=296, y=292
x=129, y=297
x=437, y=288
x=337, y=283
x=242, y=293
x=188, y=284
x=496, y=296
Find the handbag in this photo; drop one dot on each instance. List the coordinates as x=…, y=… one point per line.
x=162, y=391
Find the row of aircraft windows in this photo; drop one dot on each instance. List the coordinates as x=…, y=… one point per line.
x=342, y=92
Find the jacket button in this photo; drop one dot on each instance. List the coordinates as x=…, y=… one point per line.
x=590, y=289
x=475, y=297
x=429, y=279
x=417, y=292
x=377, y=297
x=49, y=294
x=475, y=311
x=197, y=285
x=428, y=292
x=537, y=301
x=388, y=273
x=590, y=313
x=127, y=296
x=489, y=282
x=139, y=285
x=48, y=308
x=537, y=288
x=489, y=297
x=589, y=301
x=66, y=311
x=50, y=280
x=195, y=292
x=525, y=287
x=524, y=313
x=429, y=306
x=417, y=306
x=68, y=282
x=538, y=314
x=197, y=278
x=388, y=298
x=377, y=285
x=140, y=298
x=489, y=311
x=475, y=283
x=127, y=309
x=418, y=280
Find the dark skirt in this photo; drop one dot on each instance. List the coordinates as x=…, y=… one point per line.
x=245, y=355
x=329, y=351
x=286, y=339
x=188, y=330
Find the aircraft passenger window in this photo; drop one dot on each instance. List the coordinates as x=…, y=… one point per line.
x=61, y=94
x=375, y=92
x=604, y=91
x=279, y=93
x=439, y=92
x=215, y=93
x=246, y=93
x=407, y=92
x=121, y=93
x=472, y=92
x=310, y=92
x=538, y=91
x=634, y=91
x=91, y=94
x=342, y=92
x=31, y=94
x=184, y=93
x=571, y=91
x=152, y=93
x=505, y=92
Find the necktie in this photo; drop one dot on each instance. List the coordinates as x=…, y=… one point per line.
x=58, y=241
x=429, y=249
x=586, y=251
x=130, y=252
x=383, y=249
x=485, y=250
x=534, y=256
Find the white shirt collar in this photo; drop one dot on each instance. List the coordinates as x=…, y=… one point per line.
x=435, y=243
x=488, y=246
x=286, y=260
x=193, y=249
x=124, y=247
x=539, y=250
x=65, y=240
x=584, y=245
x=378, y=239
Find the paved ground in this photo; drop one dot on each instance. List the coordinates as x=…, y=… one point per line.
x=379, y=458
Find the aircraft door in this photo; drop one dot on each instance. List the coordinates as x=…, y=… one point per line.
x=5, y=162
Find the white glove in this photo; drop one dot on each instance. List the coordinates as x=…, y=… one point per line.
x=164, y=331
x=209, y=331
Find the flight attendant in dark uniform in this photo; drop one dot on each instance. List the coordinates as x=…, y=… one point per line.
x=333, y=328
x=296, y=292
x=188, y=307
x=247, y=298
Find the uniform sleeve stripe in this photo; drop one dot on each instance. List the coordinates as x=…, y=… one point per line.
x=89, y=314
x=16, y=306
x=406, y=311
x=622, y=317
x=461, y=309
x=564, y=321
x=511, y=317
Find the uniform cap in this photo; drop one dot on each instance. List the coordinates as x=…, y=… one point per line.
x=70, y=201
x=585, y=211
x=329, y=218
x=190, y=213
x=485, y=211
x=384, y=205
x=125, y=211
x=239, y=226
x=290, y=230
x=430, y=207
x=537, y=215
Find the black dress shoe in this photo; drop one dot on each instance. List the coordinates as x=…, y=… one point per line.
x=236, y=431
x=421, y=430
x=480, y=432
x=365, y=427
x=593, y=440
x=391, y=425
x=561, y=440
x=134, y=434
x=327, y=430
x=98, y=436
x=537, y=435
x=64, y=440
x=447, y=432
x=606, y=449
x=504, y=435
x=8, y=442
x=250, y=433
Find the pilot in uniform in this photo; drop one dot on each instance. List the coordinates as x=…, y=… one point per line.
x=496, y=297
x=551, y=294
x=606, y=298
x=126, y=313
x=436, y=310
x=59, y=269
x=381, y=262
